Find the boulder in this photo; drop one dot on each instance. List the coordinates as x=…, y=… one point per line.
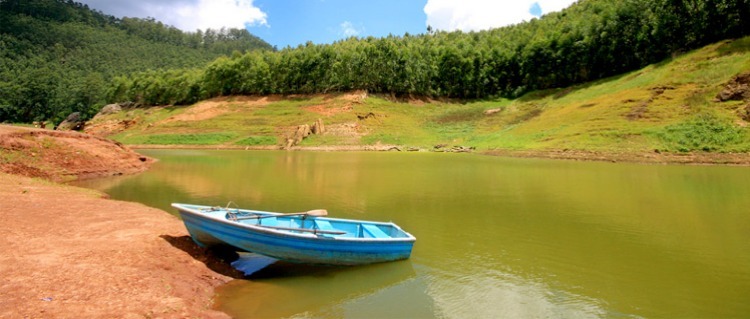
x=297, y=136
x=110, y=109
x=317, y=127
x=72, y=122
x=737, y=89
x=302, y=132
x=745, y=113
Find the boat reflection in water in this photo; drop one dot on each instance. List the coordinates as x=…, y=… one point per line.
x=378, y=290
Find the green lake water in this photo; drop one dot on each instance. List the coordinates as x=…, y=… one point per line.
x=496, y=237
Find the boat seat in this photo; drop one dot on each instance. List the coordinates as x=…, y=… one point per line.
x=374, y=231
x=270, y=221
x=324, y=225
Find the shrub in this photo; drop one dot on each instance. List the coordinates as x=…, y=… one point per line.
x=704, y=133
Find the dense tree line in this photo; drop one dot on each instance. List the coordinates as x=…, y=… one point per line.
x=590, y=40
x=57, y=57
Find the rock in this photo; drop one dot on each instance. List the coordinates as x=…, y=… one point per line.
x=72, y=122
x=462, y=149
x=745, y=113
x=317, y=127
x=129, y=105
x=299, y=134
x=289, y=143
x=454, y=149
x=110, y=109
x=302, y=132
x=362, y=117
x=737, y=89
x=732, y=94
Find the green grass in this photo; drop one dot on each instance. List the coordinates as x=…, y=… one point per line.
x=706, y=133
x=257, y=140
x=180, y=139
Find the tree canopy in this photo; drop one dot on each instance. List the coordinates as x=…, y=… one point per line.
x=57, y=57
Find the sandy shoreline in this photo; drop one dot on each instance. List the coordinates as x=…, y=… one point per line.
x=71, y=253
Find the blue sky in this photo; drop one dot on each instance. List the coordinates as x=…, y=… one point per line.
x=293, y=22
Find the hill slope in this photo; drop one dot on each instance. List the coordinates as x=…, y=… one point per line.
x=669, y=107
x=57, y=56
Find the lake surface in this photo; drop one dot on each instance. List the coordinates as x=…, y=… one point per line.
x=496, y=237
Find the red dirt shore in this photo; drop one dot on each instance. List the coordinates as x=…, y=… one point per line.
x=64, y=155
x=69, y=252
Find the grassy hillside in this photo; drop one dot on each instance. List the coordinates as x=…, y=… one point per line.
x=666, y=107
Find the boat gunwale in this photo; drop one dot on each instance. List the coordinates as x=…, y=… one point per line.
x=259, y=228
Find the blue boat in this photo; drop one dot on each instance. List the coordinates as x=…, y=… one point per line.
x=300, y=237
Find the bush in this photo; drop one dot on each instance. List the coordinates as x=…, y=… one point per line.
x=704, y=133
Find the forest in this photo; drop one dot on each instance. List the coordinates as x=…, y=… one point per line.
x=592, y=39
x=59, y=57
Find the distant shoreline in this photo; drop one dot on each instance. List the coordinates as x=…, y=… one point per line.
x=693, y=158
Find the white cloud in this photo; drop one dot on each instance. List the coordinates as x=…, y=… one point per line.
x=474, y=15
x=348, y=29
x=187, y=15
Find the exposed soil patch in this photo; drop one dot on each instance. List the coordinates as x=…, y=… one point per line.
x=325, y=110
x=336, y=104
x=201, y=111
x=69, y=253
x=214, y=107
x=354, y=97
x=109, y=127
x=64, y=155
